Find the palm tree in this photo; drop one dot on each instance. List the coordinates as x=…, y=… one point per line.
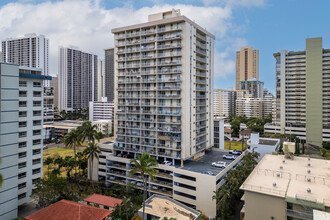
x=93, y=152
x=89, y=131
x=48, y=162
x=145, y=166
x=72, y=139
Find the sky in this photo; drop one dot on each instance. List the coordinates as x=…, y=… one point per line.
x=267, y=25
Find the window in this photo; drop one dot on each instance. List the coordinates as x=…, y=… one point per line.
x=21, y=196
x=22, y=103
x=185, y=195
x=36, y=171
x=34, y=181
x=22, y=83
x=22, y=144
x=36, y=161
x=22, y=114
x=36, y=84
x=21, y=165
x=22, y=93
x=36, y=122
x=21, y=185
x=22, y=124
x=22, y=155
x=36, y=94
x=36, y=103
x=36, y=113
x=36, y=132
x=36, y=142
x=22, y=134
x=36, y=151
x=21, y=175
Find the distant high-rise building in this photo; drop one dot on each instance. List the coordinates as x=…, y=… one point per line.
x=100, y=80
x=224, y=101
x=102, y=110
x=247, y=65
x=302, y=93
x=54, y=84
x=32, y=50
x=77, y=78
x=254, y=87
x=21, y=139
x=110, y=73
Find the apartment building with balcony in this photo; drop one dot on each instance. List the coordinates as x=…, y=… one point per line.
x=281, y=188
x=77, y=78
x=302, y=93
x=21, y=121
x=254, y=87
x=255, y=107
x=31, y=50
x=102, y=110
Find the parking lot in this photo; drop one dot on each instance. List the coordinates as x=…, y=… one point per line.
x=205, y=162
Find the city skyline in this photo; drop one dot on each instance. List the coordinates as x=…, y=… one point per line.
x=236, y=24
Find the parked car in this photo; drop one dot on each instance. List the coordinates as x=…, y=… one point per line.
x=208, y=173
x=229, y=157
x=140, y=184
x=45, y=147
x=133, y=182
x=219, y=164
x=167, y=163
x=155, y=187
x=113, y=177
x=235, y=152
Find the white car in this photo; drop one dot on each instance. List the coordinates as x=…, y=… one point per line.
x=229, y=157
x=154, y=187
x=219, y=164
x=167, y=163
x=235, y=152
x=140, y=184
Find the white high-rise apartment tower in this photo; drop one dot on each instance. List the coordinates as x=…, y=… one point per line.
x=32, y=50
x=163, y=84
x=78, y=82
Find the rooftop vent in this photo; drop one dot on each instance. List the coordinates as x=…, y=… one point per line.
x=274, y=184
x=283, y=161
x=281, y=167
x=309, y=164
x=308, y=171
x=309, y=158
x=308, y=179
x=309, y=190
x=278, y=175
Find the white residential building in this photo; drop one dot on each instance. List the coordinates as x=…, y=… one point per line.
x=77, y=78
x=101, y=80
x=219, y=132
x=31, y=50
x=21, y=121
x=102, y=110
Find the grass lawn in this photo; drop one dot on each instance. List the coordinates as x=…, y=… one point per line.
x=61, y=151
x=327, y=155
x=235, y=145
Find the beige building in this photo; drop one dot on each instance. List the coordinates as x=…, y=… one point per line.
x=280, y=188
x=302, y=93
x=255, y=107
x=247, y=65
x=224, y=101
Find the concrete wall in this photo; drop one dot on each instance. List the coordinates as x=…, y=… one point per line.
x=259, y=206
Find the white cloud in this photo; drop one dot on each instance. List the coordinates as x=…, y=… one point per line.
x=248, y=3
x=86, y=24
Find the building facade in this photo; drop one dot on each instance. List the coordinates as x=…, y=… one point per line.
x=100, y=80
x=31, y=50
x=110, y=73
x=282, y=188
x=247, y=65
x=54, y=84
x=302, y=94
x=77, y=78
x=219, y=132
x=254, y=107
x=254, y=87
x=48, y=105
x=21, y=140
x=163, y=99
x=103, y=110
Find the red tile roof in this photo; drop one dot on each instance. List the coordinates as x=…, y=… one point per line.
x=65, y=209
x=103, y=200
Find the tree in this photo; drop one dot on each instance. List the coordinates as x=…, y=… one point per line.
x=51, y=190
x=269, y=118
x=68, y=164
x=256, y=125
x=82, y=161
x=144, y=165
x=235, y=126
x=92, y=152
x=229, y=194
x=323, y=151
x=89, y=131
x=72, y=139
x=125, y=210
x=48, y=162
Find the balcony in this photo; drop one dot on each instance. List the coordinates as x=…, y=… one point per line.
x=167, y=46
x=299, y=215
x=171, y=37
x=169, y=87
x=198, y=35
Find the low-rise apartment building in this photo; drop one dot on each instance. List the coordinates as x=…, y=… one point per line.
x=102, y=110
x=280, y=188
